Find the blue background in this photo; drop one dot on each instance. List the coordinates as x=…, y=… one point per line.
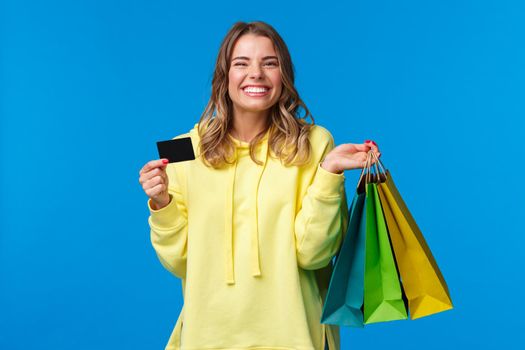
x=87, y=87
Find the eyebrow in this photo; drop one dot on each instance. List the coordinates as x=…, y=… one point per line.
x=246, y=58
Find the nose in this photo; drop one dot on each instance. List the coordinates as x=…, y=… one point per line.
x=255, y=71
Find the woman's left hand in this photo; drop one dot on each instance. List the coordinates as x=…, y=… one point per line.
x=349, y=156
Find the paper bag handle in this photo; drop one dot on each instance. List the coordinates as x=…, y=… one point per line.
x=368, y=169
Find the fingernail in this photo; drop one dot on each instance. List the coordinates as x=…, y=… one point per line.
x=367, y=141
x=165, y=161
x=374, y=143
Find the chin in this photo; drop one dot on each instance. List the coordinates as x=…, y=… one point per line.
x=255, y=110
x=256, y=107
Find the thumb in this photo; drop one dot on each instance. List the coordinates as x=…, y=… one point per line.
x=362, y=147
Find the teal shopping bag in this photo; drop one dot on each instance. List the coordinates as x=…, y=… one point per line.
x=344, y=300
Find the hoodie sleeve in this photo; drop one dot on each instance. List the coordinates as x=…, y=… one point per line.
x=169, y=228
x=323, y=217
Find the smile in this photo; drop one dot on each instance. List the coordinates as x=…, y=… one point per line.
x=253, y=91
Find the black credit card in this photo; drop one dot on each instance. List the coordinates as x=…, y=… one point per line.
x=176, y=150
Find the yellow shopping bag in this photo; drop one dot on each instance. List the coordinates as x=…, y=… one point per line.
x=423, y=283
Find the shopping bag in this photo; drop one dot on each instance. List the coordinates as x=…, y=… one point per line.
x=423, y=283
x=383, y=296
x=344, y=300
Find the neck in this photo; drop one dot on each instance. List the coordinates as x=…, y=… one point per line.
x=246, y=124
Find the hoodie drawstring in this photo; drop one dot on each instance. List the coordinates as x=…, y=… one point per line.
x=228, y=222
x=228, y=219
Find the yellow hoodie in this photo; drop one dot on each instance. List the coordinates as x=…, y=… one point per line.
x=252, y=245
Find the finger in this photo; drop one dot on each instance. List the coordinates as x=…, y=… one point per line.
x=152, y=164
x=373, y=146
x=156, y=190
x=362, y=147
x=153, y=180
x=157, y=180
x=160, y=171
x=354, y=147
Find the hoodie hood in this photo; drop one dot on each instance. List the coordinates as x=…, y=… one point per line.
x=262, y=153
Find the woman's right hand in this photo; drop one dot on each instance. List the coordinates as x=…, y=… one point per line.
x=154, y=181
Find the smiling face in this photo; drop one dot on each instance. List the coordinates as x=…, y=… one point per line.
x=254, y=76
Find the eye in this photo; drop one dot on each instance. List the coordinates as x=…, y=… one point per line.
x=273, y=63
x=239, y=64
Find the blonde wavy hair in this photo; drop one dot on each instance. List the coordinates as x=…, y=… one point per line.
x=288, y=132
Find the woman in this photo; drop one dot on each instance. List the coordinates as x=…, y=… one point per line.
x=250, y=226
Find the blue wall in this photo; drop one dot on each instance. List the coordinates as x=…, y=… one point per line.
x=87, y=87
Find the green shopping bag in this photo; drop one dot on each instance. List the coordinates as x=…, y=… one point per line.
x=344, y=300
x=383, y=296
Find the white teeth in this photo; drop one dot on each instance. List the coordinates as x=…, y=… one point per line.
x=255, y=89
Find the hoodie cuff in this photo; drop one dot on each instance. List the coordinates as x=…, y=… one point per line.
x=328, y=184
x=165, y=216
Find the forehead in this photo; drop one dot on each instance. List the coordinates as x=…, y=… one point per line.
x=253, y=45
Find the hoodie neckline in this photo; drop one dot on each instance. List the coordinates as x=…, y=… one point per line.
x=245, y=144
